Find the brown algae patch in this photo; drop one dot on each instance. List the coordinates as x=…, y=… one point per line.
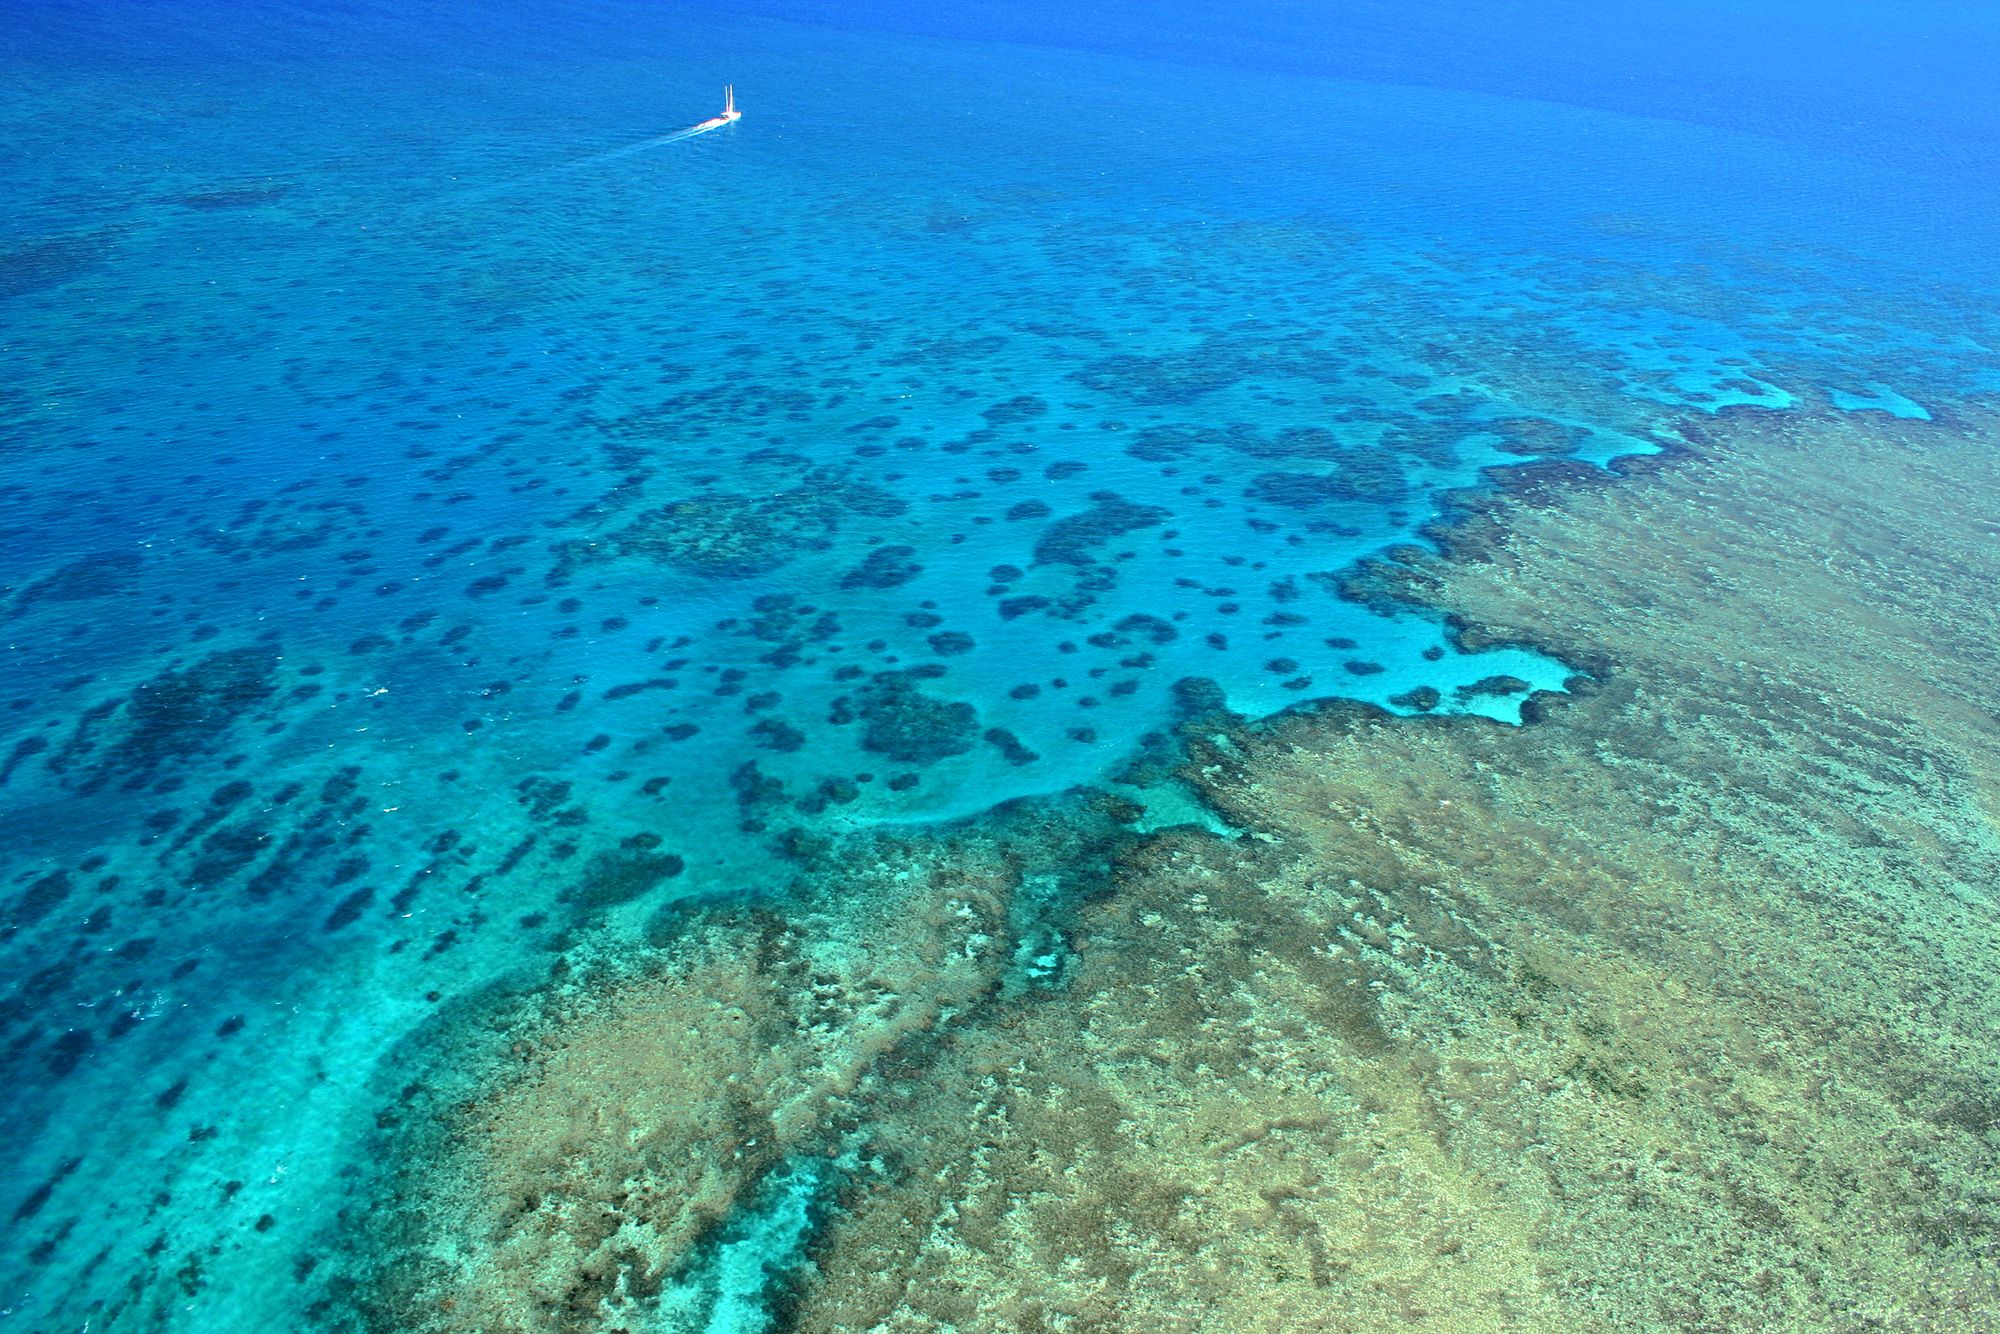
x=1672, y=1011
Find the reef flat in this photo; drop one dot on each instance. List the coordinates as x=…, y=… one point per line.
x=1672, y=1010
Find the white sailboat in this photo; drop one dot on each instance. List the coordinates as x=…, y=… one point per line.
x=729, y=113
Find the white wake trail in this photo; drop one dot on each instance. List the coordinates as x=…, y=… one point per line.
x=580, y=164
x=640, y=147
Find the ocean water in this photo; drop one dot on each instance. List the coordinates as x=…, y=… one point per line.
x=448, y=520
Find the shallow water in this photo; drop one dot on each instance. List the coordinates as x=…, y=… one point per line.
x=448, y=520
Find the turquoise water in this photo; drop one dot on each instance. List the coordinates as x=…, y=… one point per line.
x=444, y=524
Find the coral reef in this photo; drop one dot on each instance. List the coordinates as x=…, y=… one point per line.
x=1672, y=1011
x=1669, y=1013
x=638, y=1103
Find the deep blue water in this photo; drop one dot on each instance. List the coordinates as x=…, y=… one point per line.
x=429, y=495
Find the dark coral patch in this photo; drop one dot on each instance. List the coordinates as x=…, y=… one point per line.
x=1175, y=441
x=101, y=575
x=1174, y=377
x=908, y=726
x=884, y=567
x=1490, y=686
x=774, y=734
x=1533, y=436
x=725, y=535
x=50, y=262
x=1148, y=627
x=1073, y=540
x=1010, y=746
x=614, y=877
x=37, y=901
x=1025, y=407
x=237, y=196
x=183, y=712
